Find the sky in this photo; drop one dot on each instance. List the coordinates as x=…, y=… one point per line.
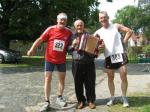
x=112, y=7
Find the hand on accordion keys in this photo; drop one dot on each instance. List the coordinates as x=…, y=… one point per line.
x=75, y=43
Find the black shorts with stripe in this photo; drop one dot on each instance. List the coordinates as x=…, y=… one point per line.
x=109, y=65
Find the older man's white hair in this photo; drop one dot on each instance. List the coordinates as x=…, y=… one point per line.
x=78, y=21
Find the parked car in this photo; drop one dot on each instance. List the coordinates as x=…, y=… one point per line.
x=9, y=55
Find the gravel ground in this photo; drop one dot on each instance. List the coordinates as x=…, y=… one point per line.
x=21, y=90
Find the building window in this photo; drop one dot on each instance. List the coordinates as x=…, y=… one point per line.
x=109, y=0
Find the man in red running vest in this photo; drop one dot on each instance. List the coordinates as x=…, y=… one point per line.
x=57, y=38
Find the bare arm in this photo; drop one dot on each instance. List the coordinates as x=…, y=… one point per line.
x=128, y=32
x=34, y=46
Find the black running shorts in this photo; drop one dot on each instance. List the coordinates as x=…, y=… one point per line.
x=109, y=65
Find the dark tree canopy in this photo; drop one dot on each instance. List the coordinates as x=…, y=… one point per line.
x=27, y=19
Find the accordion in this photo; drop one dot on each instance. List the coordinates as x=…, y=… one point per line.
x=89, y=44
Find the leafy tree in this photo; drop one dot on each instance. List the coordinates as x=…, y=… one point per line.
x=135, y=18
x=18, y=20
x=93, y=22
x=146, y=22
x=27, y=19
x=130, y=16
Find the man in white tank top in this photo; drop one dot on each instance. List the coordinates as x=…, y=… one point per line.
x=115, y=56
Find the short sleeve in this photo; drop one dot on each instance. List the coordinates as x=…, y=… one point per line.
x=45, y=35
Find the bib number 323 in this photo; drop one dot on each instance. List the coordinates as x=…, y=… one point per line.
x=58, y=45
x=116, y=58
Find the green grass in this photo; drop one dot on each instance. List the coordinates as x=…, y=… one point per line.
x=32, y=61
x=139, y=102
x=26, y=62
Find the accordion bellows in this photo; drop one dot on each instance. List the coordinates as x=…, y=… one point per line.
x=89, y=44
x=92, y=44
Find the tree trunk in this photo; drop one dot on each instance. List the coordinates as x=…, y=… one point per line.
x=4, y=42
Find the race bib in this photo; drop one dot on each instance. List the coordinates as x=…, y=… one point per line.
x=58, y=45
x=116, y=58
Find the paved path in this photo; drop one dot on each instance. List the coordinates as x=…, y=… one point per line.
x=138, y=82
x=21, y=90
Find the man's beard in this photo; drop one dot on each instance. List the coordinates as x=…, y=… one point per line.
x=80, y=32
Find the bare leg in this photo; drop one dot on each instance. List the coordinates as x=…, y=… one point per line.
x=124, y=81
x=124, y=85
x=47, y=85
x=61, y=83
x=111, y=85
x=60, y=100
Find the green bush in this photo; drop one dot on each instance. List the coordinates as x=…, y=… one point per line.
x=133, y=53
x=146, y=48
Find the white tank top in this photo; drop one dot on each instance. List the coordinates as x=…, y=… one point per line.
x=112, y=40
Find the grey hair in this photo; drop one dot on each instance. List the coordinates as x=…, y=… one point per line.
x=62, y=15
x=103, y=12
